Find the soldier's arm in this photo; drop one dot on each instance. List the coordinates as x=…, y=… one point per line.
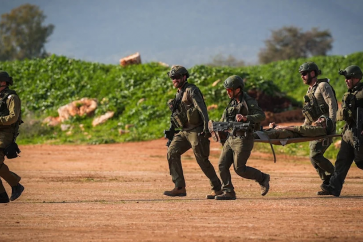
x=199, y=103
x=307, y=122
x=223, y=118
x=255, y=113
x=328, y=95
x=13, y=103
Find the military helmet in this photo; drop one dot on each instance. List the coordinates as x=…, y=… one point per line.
x=351, y=72
x=329, y=125
x=4, y=77
x=234, y=82
x=178, y=71
x=310, y=66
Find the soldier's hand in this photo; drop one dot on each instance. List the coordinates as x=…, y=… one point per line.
x=206, y=134
x=240, y=117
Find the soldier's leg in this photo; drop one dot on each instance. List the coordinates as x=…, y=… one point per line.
x=10, y=177
x=178, y=146
x=358, y=157
x=224, y=163
x=2, y=188
x=242, y=148
x=201, y=149
x=4, y=198
x=344, y=160
x=322, y=165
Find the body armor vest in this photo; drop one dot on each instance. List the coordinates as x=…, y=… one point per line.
x=349, y=105
x=4, y=111
x=312, y=109
x=234, y=109
x=239, y=108
x=181, y=114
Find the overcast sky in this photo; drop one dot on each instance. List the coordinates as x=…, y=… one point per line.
x=188, y=32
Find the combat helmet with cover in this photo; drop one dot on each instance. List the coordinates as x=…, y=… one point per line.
x=310, y=66
x=234, y=82
x=4, y=77
x=177, y=71
x=351, y=72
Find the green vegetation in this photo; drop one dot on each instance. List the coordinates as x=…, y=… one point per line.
x=138, y=94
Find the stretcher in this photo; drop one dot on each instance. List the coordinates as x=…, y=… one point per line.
x=263, y=138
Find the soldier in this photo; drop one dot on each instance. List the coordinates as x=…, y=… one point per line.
x=319, y=100
x=189, y=113
x=10, y=119
x=350, y=148
x=237, y=149
x=322, y=126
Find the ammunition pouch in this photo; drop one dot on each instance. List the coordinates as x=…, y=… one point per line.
x=179, y=117
x=346, y=113
x=171, y=104
x=312, y=110
x=12, y=151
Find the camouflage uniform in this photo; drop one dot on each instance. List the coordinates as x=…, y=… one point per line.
x=326, y=104
x=10, y=118
x=194, y=134
x=237, y=149
x=299, y=131
x=347, y=153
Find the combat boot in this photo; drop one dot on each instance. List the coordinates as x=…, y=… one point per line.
x=265, y=184
x=226, y=196
x=4, y=198
x=17, y=190
x=214, y=194
x=176, y=192
x=330, y=190
x=323, y=193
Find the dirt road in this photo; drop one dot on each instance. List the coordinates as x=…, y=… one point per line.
x=114, y=193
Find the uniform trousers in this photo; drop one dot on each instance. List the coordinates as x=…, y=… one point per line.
x=200, y=145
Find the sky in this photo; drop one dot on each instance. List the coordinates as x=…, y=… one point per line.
x=188, y=32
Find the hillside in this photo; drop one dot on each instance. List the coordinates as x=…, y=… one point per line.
x=138, y=94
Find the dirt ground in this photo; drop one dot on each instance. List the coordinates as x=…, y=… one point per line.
x=115, y=193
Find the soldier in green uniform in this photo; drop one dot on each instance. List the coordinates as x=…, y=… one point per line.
x=189, y=113
x=10, y=119
x=321, y=127
x=237, y=148
x=319, y=100
x=350, y=149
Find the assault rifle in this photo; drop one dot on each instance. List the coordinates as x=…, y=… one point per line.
x=173, y=104
x=218, y=130
x=357, y=134
x=169, y=134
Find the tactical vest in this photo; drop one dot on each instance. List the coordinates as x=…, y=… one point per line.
x=181, y=114
x=312, y=109
x=235, y=108
x=349, y=105
x=4, y=111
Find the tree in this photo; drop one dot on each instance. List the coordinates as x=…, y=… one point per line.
x=22, y=34
x=291, y=42
x=220, y=60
